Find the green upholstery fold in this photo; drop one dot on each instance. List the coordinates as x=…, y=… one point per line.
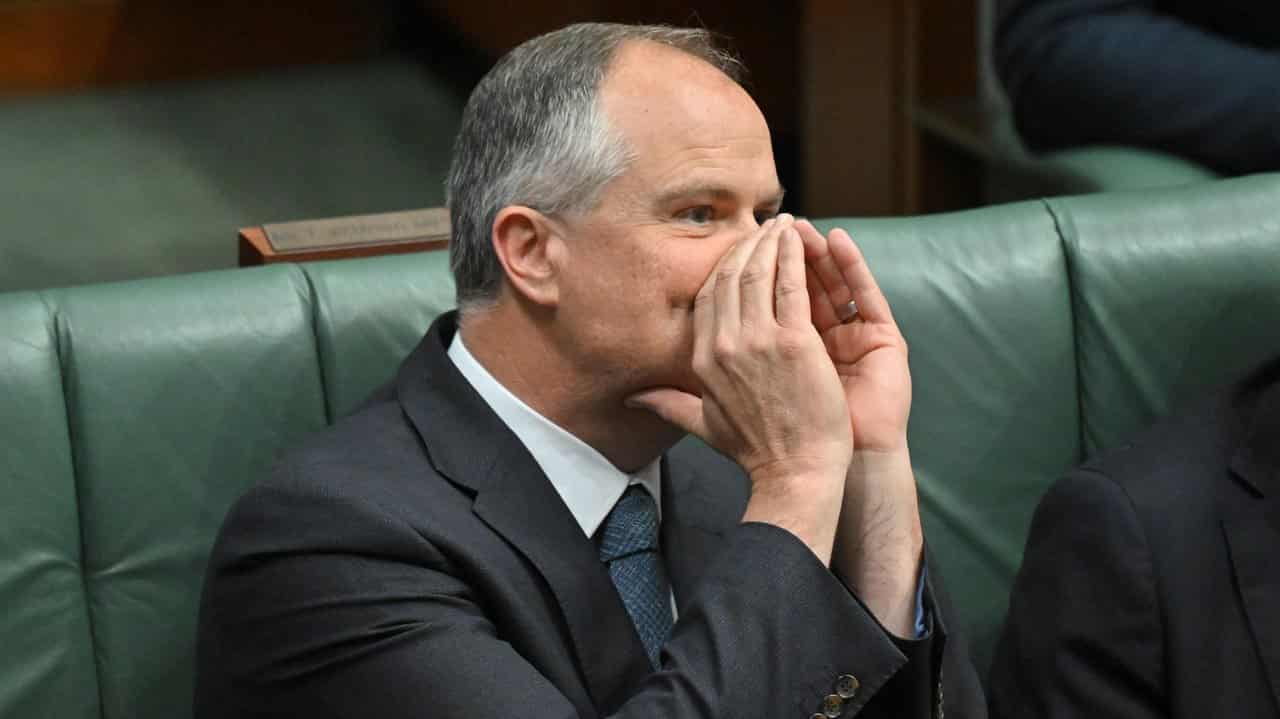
x=1175, y=291
x=983, y=301
x=46, y=655
x=369, y=314
x=180, y=392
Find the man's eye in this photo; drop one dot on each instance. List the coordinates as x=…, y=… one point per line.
x=764, y=216
x=698, y=215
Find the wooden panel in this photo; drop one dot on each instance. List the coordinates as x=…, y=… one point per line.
x=854, y=81
x=68, y=45
x=254, y=249
x=946, y=45
x=336, y=238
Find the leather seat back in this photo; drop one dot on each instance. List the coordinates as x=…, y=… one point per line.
x=985, y=308
x=1176, y=291
x=370, y=314
x=179, y=391
x=47, y=664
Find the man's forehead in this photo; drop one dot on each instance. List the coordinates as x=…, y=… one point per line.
x=648, y=82
x=660, y=97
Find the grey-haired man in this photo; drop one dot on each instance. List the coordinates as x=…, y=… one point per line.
x=506, y=529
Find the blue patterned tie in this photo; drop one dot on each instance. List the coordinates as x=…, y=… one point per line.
x=629, y=547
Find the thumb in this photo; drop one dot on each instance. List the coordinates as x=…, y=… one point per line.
x=675, y=407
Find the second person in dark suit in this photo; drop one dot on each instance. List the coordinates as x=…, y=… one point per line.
x=1150, y=588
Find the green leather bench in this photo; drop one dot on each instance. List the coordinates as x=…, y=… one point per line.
x=134, y=413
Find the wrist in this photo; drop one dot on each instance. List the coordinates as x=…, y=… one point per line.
x=879, y=541
x=807, y=505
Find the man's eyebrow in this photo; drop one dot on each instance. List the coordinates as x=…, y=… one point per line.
x=717, y=192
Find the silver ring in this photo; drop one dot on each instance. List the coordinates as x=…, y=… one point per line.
x=849, y=313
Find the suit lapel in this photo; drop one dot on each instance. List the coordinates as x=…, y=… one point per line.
x=529, y=514
x=469, y=445
x=1251, y=521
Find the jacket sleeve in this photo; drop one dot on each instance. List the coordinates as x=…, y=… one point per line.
x=939, y=678
x=1120, y=72
x=318, y=604
x=1083, y=637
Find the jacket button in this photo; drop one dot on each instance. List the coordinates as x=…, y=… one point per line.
x=832, y=705
x=847, y=685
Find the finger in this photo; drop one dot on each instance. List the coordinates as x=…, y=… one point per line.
x=857, y=277
x=727, y=295
x=704, y=307
x=704, y=303
x=828, y=273
x=820, y=308
x=815, y=243
x=677, y=408
x=756, y=281
x=790, y=293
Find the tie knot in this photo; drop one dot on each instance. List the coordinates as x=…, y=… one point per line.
x=631, y=527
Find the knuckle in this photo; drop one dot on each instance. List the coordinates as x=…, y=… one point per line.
x=728, y=273
x=752, y=275
x=786, y=288
x=757, y=343
x=723, y=347
x=702, y=365
x=791, y=345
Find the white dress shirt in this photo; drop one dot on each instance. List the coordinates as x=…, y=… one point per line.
x=587, y=482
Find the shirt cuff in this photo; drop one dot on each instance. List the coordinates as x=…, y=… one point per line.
x=922, y=616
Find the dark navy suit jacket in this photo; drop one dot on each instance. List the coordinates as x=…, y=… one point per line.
x=1151, y=581
x=414, y=561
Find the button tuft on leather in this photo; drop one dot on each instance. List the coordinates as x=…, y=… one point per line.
x=818, y=716
x=832, y=706
x=847, y=686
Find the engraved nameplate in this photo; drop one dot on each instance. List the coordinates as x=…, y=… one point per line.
x=358, y=230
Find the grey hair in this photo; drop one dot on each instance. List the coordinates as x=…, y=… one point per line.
x=533, y=133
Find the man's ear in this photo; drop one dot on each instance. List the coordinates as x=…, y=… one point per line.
x=528, y=246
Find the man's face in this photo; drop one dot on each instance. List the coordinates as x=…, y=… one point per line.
x=702, y=177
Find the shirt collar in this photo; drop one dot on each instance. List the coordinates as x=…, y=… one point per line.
x=588, y=483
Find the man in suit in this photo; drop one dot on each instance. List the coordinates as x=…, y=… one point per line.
x=1197, y=78
x=1149, y=587
x=502, y=531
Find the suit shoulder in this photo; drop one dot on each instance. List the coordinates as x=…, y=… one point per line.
x=367, y=474
x=1189, y=447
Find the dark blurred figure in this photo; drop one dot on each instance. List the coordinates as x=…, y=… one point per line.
x=1197, y=78
x=1150, y=586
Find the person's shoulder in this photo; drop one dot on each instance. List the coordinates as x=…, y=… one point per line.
x=1189, y=442
x=376, y=439
x=368, y=467
x=1177, y=466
